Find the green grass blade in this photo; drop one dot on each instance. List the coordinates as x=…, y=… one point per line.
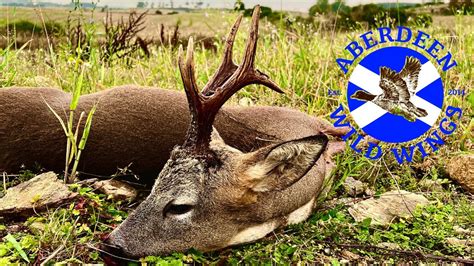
x=17, y=246
x=58, y=117
x=87, y=128
x=82, y=143
x=77, y=91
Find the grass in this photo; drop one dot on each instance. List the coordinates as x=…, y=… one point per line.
x=300, y=60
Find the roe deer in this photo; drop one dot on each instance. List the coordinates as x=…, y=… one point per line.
x=210, y=195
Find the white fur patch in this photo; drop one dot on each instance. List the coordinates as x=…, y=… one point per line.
x=253, y=233
x=259, y=231
x=302, y=213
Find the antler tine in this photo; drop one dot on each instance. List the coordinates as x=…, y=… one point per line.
x=227, y=67
x=186, y=69
x=251, y=46
x=187, y=73
x=249, y=57
x=245, y=74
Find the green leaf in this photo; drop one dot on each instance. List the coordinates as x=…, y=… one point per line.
x=366, y=222
x=17, y=246
x=87, y=128
x=77, y=91
x=58, y=117
x=94, y=255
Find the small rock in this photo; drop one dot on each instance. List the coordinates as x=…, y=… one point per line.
x=116, y=189
x=14, y=228
x=353, y=186
x=461, y=231
x=390, y=205
x=388, y=245
x=468, y=244
x=369, y=192
x=36, y=194
x=460, y=168
x=430, y=185
x=346, y=254
x=327, y=251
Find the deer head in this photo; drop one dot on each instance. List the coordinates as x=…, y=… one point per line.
x=210, y=195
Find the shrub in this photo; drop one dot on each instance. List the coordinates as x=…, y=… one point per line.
x=321, y=7
x=421, y=20
x=239, y=6
x=268, y=13
x=121, y=37
x=464, y=7
x=53, y=27
x=24, y=26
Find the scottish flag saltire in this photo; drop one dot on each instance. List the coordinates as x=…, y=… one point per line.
x=376, y=121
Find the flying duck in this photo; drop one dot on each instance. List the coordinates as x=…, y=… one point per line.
x=397, y=88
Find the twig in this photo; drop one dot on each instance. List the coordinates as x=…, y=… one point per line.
x=110, y=254
x=398, y=188
x=87, y=181
x=50, y=257
x=4, y=181
x=405, y=253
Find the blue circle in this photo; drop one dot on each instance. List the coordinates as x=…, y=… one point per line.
x=391, y=127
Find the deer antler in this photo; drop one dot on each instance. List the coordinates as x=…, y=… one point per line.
x=228, y=79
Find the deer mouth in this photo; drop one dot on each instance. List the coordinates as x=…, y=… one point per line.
x=114, y=255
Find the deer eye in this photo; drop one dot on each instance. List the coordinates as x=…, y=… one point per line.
x=176, y=209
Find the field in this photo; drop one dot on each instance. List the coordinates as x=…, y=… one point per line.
x=301, y=59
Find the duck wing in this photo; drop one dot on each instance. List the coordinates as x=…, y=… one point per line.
x=410, y=73
x=393, y=86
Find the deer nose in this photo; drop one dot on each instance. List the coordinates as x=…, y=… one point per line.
x=112, y=254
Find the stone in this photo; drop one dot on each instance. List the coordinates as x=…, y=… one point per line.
x=461, y=231
x=431, y=185
x=388, y=245
x=388, y=206
x=369, y=192
x=116, y=189
x=465, y=243
x=40, y=192
x=350, y=256
x=461, y=169
x=354, y=187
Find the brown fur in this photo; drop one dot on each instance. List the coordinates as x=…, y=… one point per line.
x=132, y=125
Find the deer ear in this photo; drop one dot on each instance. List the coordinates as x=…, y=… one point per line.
x=279, y=166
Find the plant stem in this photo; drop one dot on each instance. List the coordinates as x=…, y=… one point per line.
x=66, y=161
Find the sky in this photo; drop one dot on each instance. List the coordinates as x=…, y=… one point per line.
x=291, y=5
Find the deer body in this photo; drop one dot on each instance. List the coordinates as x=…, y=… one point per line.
x=131, y=125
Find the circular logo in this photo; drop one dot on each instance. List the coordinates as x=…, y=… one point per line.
x=395, y=94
